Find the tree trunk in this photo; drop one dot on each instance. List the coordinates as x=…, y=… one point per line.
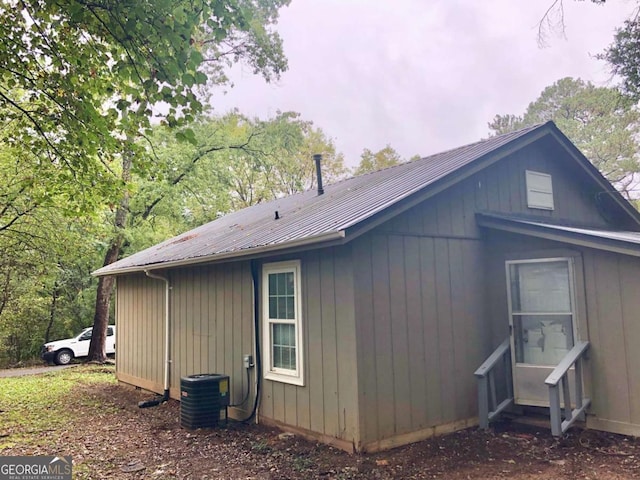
x=97, y=347
x=5, y=290
x=52, y=310
x=106, y=284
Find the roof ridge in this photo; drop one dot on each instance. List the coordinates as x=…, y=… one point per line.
x=448, y=151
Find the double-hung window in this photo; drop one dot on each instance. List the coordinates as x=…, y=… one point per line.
x=282, y=323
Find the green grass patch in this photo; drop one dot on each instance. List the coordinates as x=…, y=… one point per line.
x=35, y=404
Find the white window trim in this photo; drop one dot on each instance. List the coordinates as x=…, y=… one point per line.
x=530, y=189
x=294, y=377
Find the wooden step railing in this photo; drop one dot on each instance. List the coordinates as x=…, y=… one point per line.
x=560, y=376
x=488, y=405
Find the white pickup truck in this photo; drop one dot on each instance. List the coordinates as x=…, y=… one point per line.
x=62, y=352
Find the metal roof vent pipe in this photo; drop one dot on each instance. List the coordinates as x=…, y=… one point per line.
x=318, y=159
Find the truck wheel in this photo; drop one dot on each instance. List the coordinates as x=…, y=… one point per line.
x=63, y=357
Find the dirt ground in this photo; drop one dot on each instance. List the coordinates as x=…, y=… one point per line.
x=120, y=441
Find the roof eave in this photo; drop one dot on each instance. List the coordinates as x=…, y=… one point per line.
x=316, y=240
x=563, y=236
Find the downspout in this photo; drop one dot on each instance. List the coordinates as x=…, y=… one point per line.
x=167, y=360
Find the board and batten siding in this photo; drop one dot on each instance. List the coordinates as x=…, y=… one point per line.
x=211, y=327
x=420, y=335
x=394, y=323
x=501, y=188
x=140, y=339
x=326, y=407
x=424, y=316
x=613, y=303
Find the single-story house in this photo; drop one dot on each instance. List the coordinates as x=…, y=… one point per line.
x=368, y=306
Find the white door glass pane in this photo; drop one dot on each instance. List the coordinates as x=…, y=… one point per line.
x=540, y=287
x=542, y=339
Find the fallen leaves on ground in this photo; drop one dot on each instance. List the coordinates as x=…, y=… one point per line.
x=108, y=436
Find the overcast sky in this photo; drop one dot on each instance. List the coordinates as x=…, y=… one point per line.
x=421, y=75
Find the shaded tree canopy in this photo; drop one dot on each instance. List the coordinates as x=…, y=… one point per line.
x=78, y=78
x=81, y=83
x=603, y=124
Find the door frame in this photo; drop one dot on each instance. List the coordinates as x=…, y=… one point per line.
x=527, y=377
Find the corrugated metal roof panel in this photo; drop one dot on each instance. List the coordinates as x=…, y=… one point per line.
x=617, y=235
x=307, y=215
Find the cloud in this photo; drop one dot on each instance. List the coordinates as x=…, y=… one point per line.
x=421, y=76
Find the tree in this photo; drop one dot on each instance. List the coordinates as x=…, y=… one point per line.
x=106, y=284
x=372, y=161
x=287, y=145
x=624, y=57
x=601, y=122
x=237, y=162
x=185, y=187
x=70, y=69
x=46, y=291
x=80, y=81
x=45, y=259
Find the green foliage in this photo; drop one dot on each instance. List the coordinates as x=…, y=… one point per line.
x=372, y=161
x=624, y=57
x=80, y=83
x=280, y=161
x=33, y=405
x=600, y=121
x=77, y=78
x=45, y=259
x=236, y=162
x=46, y=291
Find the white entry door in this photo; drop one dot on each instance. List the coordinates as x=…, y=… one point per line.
x=542, y=323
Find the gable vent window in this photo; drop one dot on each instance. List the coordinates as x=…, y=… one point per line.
x=539, y=190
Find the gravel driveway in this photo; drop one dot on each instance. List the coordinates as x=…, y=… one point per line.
x=19, y=372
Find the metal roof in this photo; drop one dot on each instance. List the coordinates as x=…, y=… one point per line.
x=611, y=240
x=308, y=218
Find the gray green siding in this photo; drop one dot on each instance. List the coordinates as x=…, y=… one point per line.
x=212, y=319
x=501, y=188
x=420, y=333
x=140, y=338
x=327, y=403
x=612, y=286
x=212, y=328
x=425, y=317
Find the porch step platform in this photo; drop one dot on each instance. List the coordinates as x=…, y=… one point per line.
x=539, y=417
